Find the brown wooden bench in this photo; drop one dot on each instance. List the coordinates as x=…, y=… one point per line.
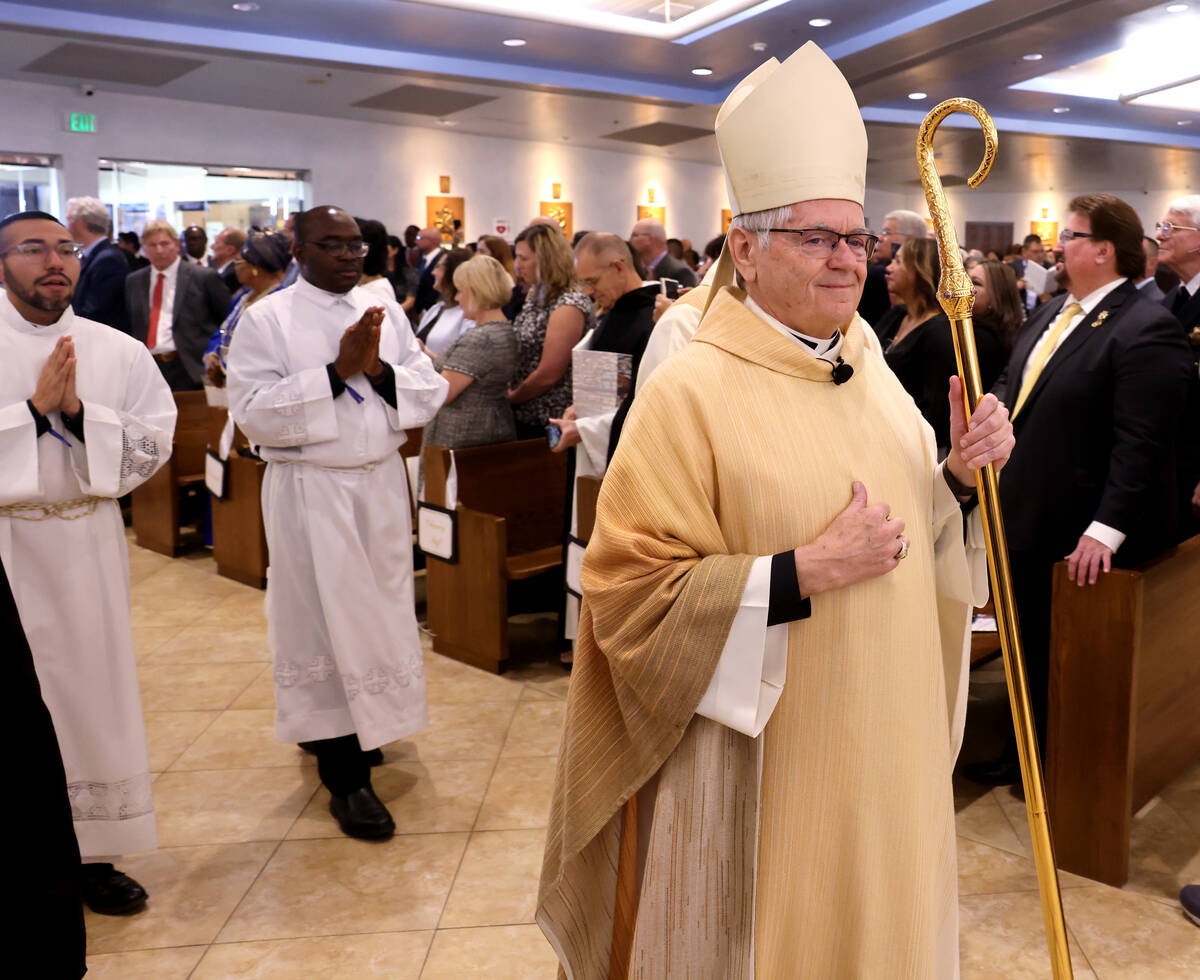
x=156, y=503
x=1124, y=708
x=510, y=529
x=239, y=536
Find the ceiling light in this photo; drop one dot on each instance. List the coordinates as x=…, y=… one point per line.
x=1176, y=8
x=1184, y=122
x=758, y=46
x=514, y=42
x=917, y=96
x=702, y=71
x=246, y=7
x=448, y=122
x=1061, y=109
x=820, y=22
x=1031, y=57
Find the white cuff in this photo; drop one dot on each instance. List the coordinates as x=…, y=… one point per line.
x=748, y=681
x=1110, y=537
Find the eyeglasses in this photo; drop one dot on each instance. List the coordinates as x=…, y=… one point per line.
x=39, y=250
x=356, y=250
x=1165, y=228
x=1067, y=235
x=817, y=243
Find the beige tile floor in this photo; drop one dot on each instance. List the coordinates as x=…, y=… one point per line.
x=254, y=880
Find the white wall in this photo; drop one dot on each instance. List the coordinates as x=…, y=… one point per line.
x=371, y=169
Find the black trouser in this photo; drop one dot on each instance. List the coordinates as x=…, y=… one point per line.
x=341, y=764
x=176, y=376
x=1033, y=577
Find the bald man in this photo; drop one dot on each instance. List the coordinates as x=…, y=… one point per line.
x=429, y=244
x=649, y=240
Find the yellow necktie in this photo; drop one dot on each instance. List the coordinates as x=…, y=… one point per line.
x=1043, y=355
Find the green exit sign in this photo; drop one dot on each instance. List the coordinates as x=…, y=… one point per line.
x=81, y=122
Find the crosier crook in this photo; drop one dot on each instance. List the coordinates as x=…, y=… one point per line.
x=956, y=293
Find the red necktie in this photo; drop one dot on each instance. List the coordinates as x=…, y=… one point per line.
x=155, y=309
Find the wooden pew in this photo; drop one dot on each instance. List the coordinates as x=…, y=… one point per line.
x=510, y=529
x=156, y=503
x=1124, y=708
x=239, y=536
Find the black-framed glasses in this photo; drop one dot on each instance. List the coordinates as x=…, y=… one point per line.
x=818, y=243
x=39, y=250
x=1067, y=235
x=355, y=249
x=1165, y=228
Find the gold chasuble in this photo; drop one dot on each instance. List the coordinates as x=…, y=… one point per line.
x=825, y=848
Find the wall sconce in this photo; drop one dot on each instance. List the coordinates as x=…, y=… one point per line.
x=650, y=195
x=556, y=191
x=444, y=184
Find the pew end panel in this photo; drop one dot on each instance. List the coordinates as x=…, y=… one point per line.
x=1124, y=703
x=156, y=503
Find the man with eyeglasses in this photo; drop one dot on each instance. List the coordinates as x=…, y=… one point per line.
x=1179, y=250
x=175, y=307
x=1096, y=384
x=324, y=379
x=84, y=418
x=769, y=680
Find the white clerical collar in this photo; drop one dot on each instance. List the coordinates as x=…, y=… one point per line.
x=1193, y=285
x=825, y=348
x=11, y=317
x=322, y=297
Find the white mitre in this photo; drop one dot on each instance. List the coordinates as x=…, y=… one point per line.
x=792, y=132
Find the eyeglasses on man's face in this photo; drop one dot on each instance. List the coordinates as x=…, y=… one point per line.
x=356, y=249
x=818, y=243
x=1067, y=235
x=39, y=250
x=1164, y=228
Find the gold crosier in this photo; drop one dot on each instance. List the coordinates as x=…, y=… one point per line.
x=956, y=293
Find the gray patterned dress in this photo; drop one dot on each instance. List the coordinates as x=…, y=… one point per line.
x=530, y=327
x=481, y=414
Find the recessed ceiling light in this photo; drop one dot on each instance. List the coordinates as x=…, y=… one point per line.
x=820, y=22
x=1176, y=8
x=758, y=46
x=246, y=7
x=1061, y=109
x=1184, y=122
x=1031, y=57
x=514, y=42
x=448, y=122
x=702, y=71
x=917, y=96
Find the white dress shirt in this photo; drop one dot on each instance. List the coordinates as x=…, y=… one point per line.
x=1110, y=537
x=1193, y=285
x=164, y=340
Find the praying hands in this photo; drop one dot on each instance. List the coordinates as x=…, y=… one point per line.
x=56, y=385
x=359, y=349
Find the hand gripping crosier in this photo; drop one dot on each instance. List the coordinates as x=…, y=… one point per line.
x=956, y=293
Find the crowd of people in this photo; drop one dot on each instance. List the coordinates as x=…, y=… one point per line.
x=334, y=338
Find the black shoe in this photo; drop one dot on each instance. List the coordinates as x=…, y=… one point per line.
x=109, y=892
x=309, y=747
x=362, y=814
x=1189, y=898
x=997, y=772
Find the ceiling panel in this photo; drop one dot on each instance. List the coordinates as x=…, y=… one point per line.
x=104, y=64
x=660, y=134
x=424, y=100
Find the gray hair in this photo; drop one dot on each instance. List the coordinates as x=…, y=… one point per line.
x=908, y=223
x=91, y=211
x=760, y=222
x=1189, y=205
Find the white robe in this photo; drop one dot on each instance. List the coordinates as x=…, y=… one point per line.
x=70, y=573
x=341, y=621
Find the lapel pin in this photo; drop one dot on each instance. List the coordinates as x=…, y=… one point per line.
x=1100, y=319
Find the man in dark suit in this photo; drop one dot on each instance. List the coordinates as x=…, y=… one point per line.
x=649, y=240
x=129, y=243
x=429, y=244
x=174, y=307
x=1179, y=251
x=1146, y=284
x=100, y=292
x=1032, y=250
x=1096, y=386
x=226, y=245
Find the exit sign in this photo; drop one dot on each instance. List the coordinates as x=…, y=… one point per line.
x=81, y=122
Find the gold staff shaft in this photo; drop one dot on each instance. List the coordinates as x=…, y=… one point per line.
x=956, y=294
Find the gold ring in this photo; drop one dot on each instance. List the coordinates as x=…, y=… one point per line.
x=903, y=552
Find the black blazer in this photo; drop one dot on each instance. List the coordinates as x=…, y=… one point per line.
x=1189, y=316
x=201, y=302
x=100, y=292
x=427, y=295
x=670, y=267
x=1097, y=438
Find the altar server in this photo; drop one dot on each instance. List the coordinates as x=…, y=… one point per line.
x=85, y=417
x=324, y=380
x=772, y=652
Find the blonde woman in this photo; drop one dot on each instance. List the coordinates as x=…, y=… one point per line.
x=479, y=365
x=554, y=318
